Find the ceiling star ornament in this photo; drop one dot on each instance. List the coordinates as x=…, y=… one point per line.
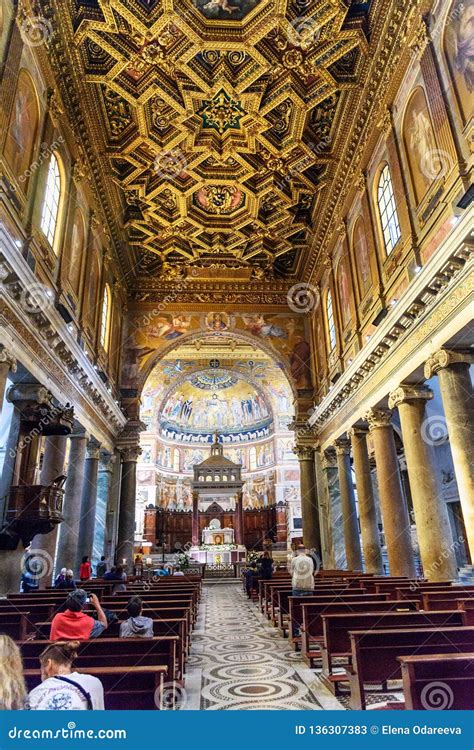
x=221, y=112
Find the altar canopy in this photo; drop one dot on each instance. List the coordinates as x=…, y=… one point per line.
x=215, y=477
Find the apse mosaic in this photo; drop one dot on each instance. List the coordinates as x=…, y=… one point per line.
x=238, y=408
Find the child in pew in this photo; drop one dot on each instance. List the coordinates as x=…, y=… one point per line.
x=136, y=626
x=73, y=623
x=12, y=684
x=61, y=689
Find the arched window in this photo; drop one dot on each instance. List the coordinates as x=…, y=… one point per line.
x=105, y=319
x=330, y=321
x=50, y=212
x=388, y=210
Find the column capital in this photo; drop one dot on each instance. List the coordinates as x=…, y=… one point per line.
x=328, y=459
x=304, y=452
x=107, y=461
x=7, y=357
x=343, y=447
x=406, y=393
x=93, y=449
x=378, y=418
x=130, y=453
x=444, y=358
x=358, y=431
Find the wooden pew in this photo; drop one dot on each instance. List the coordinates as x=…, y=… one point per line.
x=443, y=600
x=312, y=631
x=121, y=652
x=421, y=674
x=336, y=629
x=291, y=605
x=374, y=654
x=125, y=689
x=14, y=624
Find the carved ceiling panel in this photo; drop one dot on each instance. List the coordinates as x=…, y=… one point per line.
x=217, y=121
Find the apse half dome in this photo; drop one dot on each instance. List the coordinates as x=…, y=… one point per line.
x=213, y=400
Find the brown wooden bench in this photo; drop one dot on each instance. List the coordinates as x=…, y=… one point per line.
x=443, y=600
x=15, y=624
x=312, y=631
x=121, y=652
x=125, y=689
x=336, y=629
x=293, y=606
x=374, y=654
x=438, y=681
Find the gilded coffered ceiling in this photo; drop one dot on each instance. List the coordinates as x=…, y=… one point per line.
x=216, y=121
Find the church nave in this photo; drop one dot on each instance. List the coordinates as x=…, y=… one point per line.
x=239, y=661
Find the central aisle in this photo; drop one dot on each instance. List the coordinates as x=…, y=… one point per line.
x=239, y=661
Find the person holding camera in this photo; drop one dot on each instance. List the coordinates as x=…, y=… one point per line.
x=75, y=625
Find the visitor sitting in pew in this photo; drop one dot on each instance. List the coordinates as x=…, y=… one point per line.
x=266, y=566
x=12, y=684
x=60, y=578
x=73, y=623
x=251, y=578
x=101, y=568
x=62, y=689
x=29, y=581
x=136, y=626
x=120, y=580
x=65, y=580
x=85, y=569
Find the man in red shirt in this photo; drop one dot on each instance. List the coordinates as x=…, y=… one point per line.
x=73, y=624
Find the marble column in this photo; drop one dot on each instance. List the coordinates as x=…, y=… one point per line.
x=104, y=484
x=88, y=502
x=396, y=522
x=195, y=522
x=348, y=505
x=452, y=369
x=366, y=501
x=431, y=514
x=335, y=521
x=7, y=365
x=128, y=492
x=239, y=519
x=327, y=546
x=53, y=466
x=66, y=555
x=309, y=498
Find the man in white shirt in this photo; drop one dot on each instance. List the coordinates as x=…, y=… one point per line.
x=62, y=689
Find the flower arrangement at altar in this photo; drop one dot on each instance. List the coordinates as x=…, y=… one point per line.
x=182, y=561
x=218, y=547
x=252, y=557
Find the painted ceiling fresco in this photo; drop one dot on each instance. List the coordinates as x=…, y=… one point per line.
x=216, y=120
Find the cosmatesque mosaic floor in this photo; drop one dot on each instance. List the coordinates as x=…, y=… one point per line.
x=238, y=661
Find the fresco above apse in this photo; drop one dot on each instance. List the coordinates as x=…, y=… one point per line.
x=283, y=334
x=228, y=10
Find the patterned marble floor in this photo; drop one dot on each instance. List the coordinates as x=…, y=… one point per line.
x=240, y=662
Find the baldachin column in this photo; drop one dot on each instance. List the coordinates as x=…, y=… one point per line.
x=195, y=522
x=396, y=522
x=431, y=514
x=452, y=369
x=365, y=496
